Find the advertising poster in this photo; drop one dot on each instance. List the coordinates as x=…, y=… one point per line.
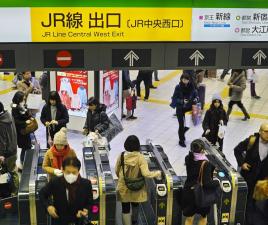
x=110, y=82
x=230, y=24
x=72, y=87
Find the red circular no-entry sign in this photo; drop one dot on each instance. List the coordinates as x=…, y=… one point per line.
x=8, y=205
x=64, y=58
x=1, y=59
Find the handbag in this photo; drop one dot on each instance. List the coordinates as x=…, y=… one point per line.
x=261, y=190
x=34, y=101
x=30, y=128
x=115, y=127
x=133, y=184
x=204, y=197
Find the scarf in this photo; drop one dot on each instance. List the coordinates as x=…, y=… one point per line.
x=200, y=157
x=59, y=156
x=72, y=188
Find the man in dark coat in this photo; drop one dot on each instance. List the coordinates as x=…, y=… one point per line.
x=72, y=195
x=8, y=146
x=254, y=167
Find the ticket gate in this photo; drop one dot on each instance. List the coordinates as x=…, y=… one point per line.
x=162, y=207
x=97, y=169
x=230, y=209
x=33, y=178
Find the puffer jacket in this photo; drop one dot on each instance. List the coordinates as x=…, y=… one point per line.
x=239, y=85
x=135, y=166
x=8, y=135
x=97, y=120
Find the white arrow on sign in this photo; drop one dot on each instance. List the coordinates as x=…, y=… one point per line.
x=259, y=55
x=197, y=56
x=131, y=56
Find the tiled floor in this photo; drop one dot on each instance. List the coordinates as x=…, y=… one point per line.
x=155, y=120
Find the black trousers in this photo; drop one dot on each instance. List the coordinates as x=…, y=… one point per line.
x=224, y=73
x=180, y=112
x=126, y=206
x=240, y=105
x=147, y=82
x=252, y=89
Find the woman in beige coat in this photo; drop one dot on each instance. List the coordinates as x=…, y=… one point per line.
x=135, y=166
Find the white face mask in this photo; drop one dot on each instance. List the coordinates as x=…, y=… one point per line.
x=70, y=178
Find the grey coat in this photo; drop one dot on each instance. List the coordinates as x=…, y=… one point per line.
x=239, y=85
x=8, y=135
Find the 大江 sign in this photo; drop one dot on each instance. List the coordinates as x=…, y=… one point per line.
x=110, y=24
x=72, y=87
x=228, y=24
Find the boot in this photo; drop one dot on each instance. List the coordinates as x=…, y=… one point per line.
x=247, y=117
x=135, y=215
x=126, y=218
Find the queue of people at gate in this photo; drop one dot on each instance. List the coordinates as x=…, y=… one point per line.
x=63, y=167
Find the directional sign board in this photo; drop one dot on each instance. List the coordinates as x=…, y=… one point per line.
x=7, y=59
x=72, y=58
x=131, y=57
x=254, y=57
x=197, y=57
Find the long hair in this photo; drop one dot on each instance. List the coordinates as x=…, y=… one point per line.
x=54, y=95
x=93, y=101
x=212, y=106
x=18, y=97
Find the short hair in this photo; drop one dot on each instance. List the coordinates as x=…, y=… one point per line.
x=197, y=146
x=54, y=95
x=18, y=97
x=93, y=101
x=132, y=143
x=185, y=76
x=71, y=161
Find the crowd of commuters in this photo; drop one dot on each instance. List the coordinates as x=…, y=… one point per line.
x=72, y=194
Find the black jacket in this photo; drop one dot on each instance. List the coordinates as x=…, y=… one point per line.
x=97, y=120
x=8, y=135
x=193, y=168
x=20, y=118
x=62, y=116
x=56, y=189
x=182, y=93
x=212, y=121
x=258, y=170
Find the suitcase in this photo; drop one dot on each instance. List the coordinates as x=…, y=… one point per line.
x=202, y=95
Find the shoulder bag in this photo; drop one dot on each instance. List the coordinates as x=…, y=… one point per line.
x=133, y=184
x=205, y=197
x=30, y=128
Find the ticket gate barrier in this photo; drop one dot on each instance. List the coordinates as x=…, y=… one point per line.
x=162, y=206
x=33, y=178
x=97, y=169
x=230, y=209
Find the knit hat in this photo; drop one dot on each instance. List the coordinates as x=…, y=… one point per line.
x=60, y=137
x=216, y=97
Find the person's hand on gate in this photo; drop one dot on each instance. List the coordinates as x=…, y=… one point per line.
x=28, y=121
x=58, y=172
x=81, y=213
x=52, y=212
x=47, y=124
x=207, y=132
x=54, y=122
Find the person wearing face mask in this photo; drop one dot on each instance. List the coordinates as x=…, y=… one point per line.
x=252, y=156
x=193, y=162
x=97, y=119
x=54, y=115
x=21, y=118
x=184, y=97
x=214, y=118
x=54, y=157
x=71, y=194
